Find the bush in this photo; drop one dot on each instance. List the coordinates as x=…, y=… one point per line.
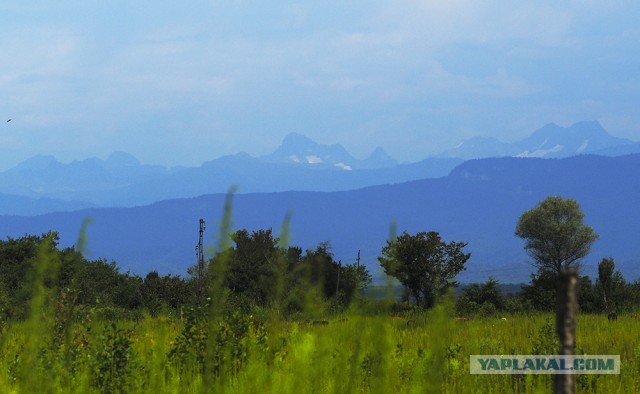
x=114, y=362
x=485, y=299
x=516, y=305
x=487, y=309
x=114, y=313
x=466, y=307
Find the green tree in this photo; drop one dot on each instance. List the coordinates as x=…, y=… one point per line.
x=322, y=270
x=540, y=293
x=354, y=277
x=476, y=295
x=555, y=235
x=424, y=264
x=588, y=301
x=605, y=278
x=251, y=264
x=335, y=279
x=17, y=258
x=615, y=293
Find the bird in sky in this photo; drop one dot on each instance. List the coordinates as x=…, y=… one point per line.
x=8, y=120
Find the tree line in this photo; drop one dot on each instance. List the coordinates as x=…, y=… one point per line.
x=256, y=262
x=261, y=271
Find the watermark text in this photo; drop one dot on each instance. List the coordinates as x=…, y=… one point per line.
x=541, y=364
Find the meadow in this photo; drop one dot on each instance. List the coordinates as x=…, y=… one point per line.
x=364, y=349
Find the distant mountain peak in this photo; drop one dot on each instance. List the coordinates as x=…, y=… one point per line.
x=591, y=128
x=122, y=159
x=557, y=141
x=551, y=140
x=300, y=150
x=589, y=123
x=297, y=149
x=296, y=143
x=479, y=147
x=37, y=162
x=297, y=138
x=378, y=153
x=380, y=159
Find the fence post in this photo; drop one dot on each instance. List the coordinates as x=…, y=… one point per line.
x=566, y=322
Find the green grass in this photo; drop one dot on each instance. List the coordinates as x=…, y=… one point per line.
x=426, y=352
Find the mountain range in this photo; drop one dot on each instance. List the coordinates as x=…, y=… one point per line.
x=479, y=202
x=43, y=184
x=551, y=141
x=80, y=184
x=146, y=216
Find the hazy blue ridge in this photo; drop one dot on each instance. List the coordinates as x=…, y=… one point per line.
x=27, y=206
x=120, y=180
x=299, y=164
x=479, y=202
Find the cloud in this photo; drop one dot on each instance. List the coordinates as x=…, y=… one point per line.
x=468, y=21
x=499, y=85
x=36, y=54
x=240, y=75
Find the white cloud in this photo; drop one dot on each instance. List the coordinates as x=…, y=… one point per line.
x=410, y=75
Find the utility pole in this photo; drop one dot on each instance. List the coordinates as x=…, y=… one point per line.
x=200, y=254
x=358, y=279
x=338, y=281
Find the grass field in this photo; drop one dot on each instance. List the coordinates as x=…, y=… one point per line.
x=350, y=352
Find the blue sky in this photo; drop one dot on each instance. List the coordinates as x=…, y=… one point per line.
x=179, y=83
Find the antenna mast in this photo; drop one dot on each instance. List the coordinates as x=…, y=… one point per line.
x=200, y=254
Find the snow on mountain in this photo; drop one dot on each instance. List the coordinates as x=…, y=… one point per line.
x=541, y=152
x=344, y=166
x=297, y=149
x=550, y=141
x=479, y=147
x=580, y=138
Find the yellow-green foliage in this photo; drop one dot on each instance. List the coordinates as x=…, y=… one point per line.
x=426, y=352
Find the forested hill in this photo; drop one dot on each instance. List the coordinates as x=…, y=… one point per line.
x=479, y=202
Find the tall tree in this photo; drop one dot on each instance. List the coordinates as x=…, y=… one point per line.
x=605, y=275
x=555, y=234
x=616, y=293
x=251, y=264
x=424, y=264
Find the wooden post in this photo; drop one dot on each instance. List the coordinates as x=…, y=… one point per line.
x=566, y=322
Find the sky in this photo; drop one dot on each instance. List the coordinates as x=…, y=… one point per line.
x=180, y=83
